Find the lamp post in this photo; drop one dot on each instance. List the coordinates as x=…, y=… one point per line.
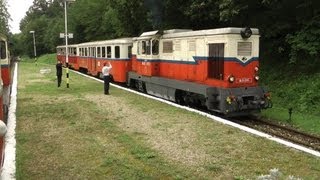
x=66, y=36
x=34, y=46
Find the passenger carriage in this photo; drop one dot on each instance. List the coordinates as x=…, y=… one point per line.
x=72, y=56
x=93, y=55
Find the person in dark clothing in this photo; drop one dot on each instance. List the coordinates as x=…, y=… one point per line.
x=59, y=72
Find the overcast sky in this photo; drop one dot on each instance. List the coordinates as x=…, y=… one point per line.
x=17, y=10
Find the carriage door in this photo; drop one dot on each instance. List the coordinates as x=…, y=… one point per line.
x=94, y=60
x=216, y=61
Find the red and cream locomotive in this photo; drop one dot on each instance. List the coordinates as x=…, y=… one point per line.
x=216, y=68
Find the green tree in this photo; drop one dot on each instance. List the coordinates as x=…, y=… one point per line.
x=4, y=18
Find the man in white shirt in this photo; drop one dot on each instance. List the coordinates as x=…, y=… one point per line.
x=106, y=76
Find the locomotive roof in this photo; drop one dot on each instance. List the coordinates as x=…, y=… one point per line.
x=173, y=33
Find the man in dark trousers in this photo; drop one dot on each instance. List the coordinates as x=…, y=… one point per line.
x=59, y=72
x=106, y=77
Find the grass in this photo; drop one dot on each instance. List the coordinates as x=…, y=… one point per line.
x=291, y=88
x=79, y=133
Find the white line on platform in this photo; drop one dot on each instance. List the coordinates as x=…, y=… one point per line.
x=9, y=166
x=219, y=119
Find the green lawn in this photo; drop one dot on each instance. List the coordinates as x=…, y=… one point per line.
x=79, y=133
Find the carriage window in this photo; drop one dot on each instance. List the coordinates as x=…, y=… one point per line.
x=167, y=47
x=85, y=51
x=94, y=52
x=117, y=51
x=244, y=48
x=3, y=50
x=98, y=51
x=108, y=51
x=155, y=47
x=103, y=51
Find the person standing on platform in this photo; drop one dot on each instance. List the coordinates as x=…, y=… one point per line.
x=106, y=77
x=59, y=72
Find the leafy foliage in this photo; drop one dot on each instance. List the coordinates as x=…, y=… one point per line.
x=289, y=28
x=4, y=17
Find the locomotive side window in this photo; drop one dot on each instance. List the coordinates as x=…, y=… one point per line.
x=167, y=47
x=155, y=47
x=108, y=51
x=244, y=48
x=117, y=51
x=3, y=50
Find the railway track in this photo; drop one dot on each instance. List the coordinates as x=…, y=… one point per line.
x=282, y=131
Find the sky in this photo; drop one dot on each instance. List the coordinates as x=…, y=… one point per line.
x=17, y=10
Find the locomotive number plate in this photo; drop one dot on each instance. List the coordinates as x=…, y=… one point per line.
x=244, y=80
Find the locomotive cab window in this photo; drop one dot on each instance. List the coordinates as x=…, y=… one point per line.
x=155, y=47
x=145, y=49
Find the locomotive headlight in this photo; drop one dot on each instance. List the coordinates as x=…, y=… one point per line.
x=246, y=32
x=256, y=68
x=231, y=78
x=256, y=78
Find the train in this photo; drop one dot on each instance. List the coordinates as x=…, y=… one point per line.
x=214, y=69
x=5, y=82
